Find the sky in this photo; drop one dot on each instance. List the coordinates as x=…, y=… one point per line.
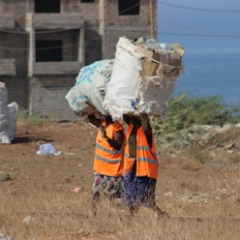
x=200, y=25
x=209, y=31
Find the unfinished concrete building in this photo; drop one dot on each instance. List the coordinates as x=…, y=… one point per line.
x=44, y=44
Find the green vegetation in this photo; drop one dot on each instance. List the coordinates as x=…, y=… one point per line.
x=23, y=114
x=183, y=112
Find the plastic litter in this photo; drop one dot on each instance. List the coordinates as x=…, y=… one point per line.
x=29, y=220
x=48, y=149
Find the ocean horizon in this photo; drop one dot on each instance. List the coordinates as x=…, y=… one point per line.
x=210, y=73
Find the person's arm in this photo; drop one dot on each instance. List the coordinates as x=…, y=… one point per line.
x=127, y=119
x=146, y=127
x=117, y=140
x=95, y=121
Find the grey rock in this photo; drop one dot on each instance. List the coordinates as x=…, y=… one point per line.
x=237, y=125
x=229, y=146
x=225, y=128
x=4, y=176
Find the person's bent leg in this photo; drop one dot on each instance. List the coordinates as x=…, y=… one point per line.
x=151, y=198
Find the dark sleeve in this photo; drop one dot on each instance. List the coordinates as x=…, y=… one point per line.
x=95, y=121
x=127, y=119
x=145, y=122
x=117, y=142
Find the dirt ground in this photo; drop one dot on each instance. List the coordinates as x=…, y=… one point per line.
x=185, y=188
x=73, y=166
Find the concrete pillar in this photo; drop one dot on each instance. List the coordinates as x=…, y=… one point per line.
x=101, y=11
x=31, y=44
x=31, y=56
x=81, y=47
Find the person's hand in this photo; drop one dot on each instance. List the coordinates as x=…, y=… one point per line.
x=91, y=117
x=144, y=115
x=103, y=132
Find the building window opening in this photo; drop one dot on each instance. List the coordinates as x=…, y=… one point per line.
x=128, y=7
x=46, y=6
x=49, y=51
x=87, y=1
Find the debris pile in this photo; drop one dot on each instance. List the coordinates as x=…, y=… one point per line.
x=141, y=78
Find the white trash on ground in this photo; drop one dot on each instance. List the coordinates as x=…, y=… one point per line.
x=29, y=221
x=13, y=114
x=48, y=149
x=8, y=117
x=4, y=120
x=87, y=96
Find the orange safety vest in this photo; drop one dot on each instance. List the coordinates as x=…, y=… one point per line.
x=146, y=157
x=108, y=161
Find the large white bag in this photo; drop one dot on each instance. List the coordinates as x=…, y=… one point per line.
x=4, y=123
x=137, y=83
x=13, y=114
x=87, y=95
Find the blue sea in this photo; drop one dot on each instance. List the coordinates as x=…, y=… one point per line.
x=211, y=73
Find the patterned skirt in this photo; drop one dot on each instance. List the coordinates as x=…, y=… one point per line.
x=111, y=187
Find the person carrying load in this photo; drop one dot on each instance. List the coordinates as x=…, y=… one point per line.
x=108, y=160
x=140, y=165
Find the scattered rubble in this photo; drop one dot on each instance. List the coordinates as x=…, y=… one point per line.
x=218, y=143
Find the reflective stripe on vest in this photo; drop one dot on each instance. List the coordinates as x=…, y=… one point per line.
x=145, y=148
x=149, y=160
x=108, y=160
x=108, y=150
x=142, y=159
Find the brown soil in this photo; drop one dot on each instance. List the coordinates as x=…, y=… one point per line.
x=180, y=179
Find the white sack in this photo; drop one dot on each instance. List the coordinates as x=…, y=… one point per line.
x=123, y=90
x=4, y=123
x=13, y=113
x=131, y=90
x=90, y=88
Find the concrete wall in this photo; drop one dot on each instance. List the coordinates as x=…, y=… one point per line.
x=112, y=34
x=89, y=31
x=48, y=97
x=17, y=90
x=14, y=51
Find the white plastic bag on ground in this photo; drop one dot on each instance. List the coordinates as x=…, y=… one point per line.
x=4, y=122
x=139, y=83
x=87, y=95
x=48, y=149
